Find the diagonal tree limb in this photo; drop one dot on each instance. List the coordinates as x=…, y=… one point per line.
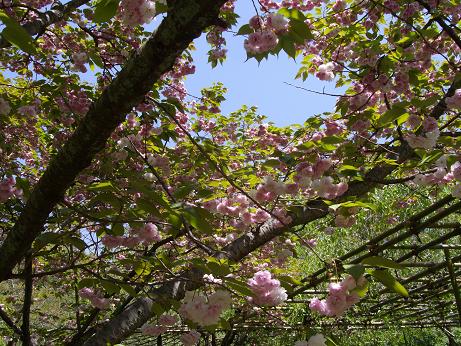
x=135, y=315
x=54, y=15
x=9, y=322
x=184, y=23
x=138, y=313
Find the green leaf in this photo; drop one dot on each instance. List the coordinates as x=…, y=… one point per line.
x=198, y=218
x=183, y=191
x=104, y=186
x=161, y=8
x=350, y=204
x=271, y=163
x=105, y=10
x=389, y=281
x=117, y=229
x=407, y=40
x=148, y=207
x=378, y=261
x=218, y=269
x=356, y=270
x=128, y=289
x=158, y=309
x=46, y=238
x=110, y=287
x=332, y=140
x=331, y=342
x=245, y=30
x=87, y=282
x=348, y=169
x=16, y=35
x=96, y=59
x=392, y=114
x=78, y=243
x=289, y=279
x=239, y=286
x=288, y=46
x=292, y=13
x=299, y=31
x=326, y=146
x=362, y=291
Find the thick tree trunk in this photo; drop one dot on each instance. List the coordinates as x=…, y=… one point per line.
x=185, y=22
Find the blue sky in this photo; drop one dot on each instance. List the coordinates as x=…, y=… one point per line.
x=255, y=84
x=260, y=85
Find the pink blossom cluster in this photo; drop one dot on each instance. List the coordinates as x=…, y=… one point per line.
x=325, y=71
x=224, y=240
x=136, y=12
x=80, y=59
x=261, y=42
x=5, y=107
x=266, y=290
x=341, y=296
x=440, y=174
x=456, y=173
x=266, y=137
x=217, y=41
x=37, y=4
x=238, y=206
x=29, y=110
x=8, y=189
x=267, y=29
x=325, y=188
x=361, y=126
x=209, y=278
x=164, y=322
x=175, y=90
x=160, y=162
x=191, y=338
x=95, y=298
x=426, y=141
x=197, y=309
x=229, y=6
x=271, y=189
x=75, y=101
x=306, y=172
x=182, y=68
x=314, y=340
x=146, y=234
x=454, y=102
x=302, y=5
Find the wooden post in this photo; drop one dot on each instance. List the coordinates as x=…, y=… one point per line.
x=454, y=284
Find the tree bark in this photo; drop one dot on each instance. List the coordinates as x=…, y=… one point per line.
x=185, y=22
x=138, y=313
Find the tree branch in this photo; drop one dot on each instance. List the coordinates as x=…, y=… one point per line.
x=184, y=23
x=9, y=322
x=54, y=15
x=28, y=286
x=135, y=315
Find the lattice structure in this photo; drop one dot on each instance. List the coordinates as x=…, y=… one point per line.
x=427, y=246
x=433, y=285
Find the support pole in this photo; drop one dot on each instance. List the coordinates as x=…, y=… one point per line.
x=454, y=284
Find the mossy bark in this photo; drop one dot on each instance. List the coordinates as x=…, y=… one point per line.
x=185, y=22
